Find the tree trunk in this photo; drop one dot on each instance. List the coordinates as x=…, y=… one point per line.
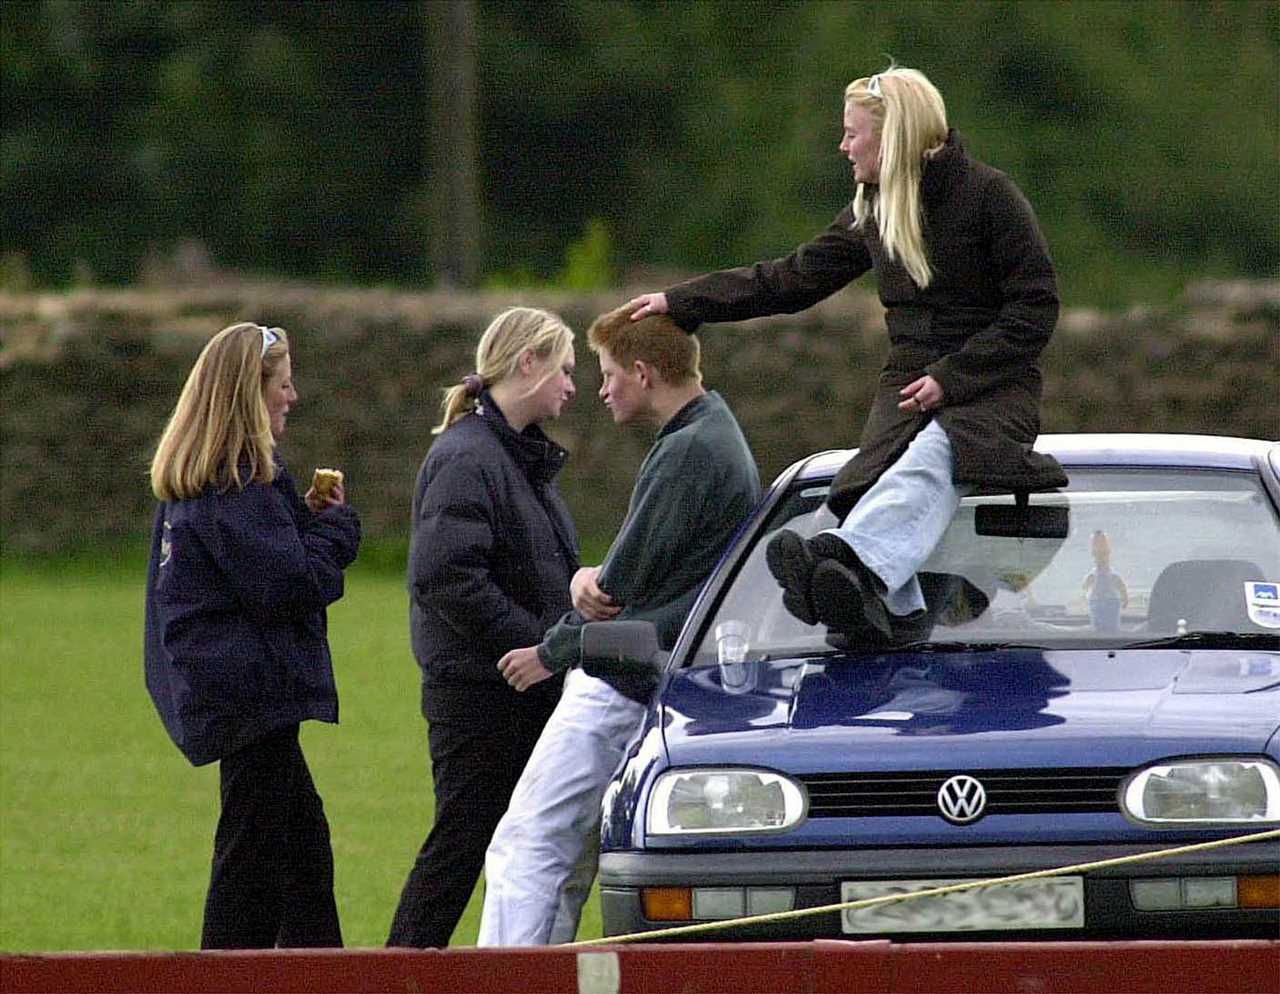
x=454, y=198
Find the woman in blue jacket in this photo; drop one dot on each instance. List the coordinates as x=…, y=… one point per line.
x=236, y=648
x=492, y=552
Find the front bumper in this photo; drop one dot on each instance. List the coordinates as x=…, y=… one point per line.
x=816, y=877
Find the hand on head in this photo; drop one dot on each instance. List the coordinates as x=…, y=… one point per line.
x=646, y=304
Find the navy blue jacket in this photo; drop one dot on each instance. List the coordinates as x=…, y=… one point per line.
x=491, y=554
x=236, y=641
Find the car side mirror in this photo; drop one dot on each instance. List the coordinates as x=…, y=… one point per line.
x=622, y=647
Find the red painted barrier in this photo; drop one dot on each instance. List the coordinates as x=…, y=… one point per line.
x=1155, y=967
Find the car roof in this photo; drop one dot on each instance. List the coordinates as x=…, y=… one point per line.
x=1102, y=449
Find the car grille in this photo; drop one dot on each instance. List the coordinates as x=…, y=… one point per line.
x=1055, y=791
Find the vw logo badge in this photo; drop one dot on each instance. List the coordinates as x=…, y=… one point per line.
x=962, y=799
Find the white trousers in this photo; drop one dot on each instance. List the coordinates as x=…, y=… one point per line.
x=543, y=857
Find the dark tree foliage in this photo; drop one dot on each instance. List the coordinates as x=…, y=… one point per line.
x=294, y=138
x=284, y=136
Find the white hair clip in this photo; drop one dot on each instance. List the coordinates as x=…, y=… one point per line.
x=873, y=86
x=269, y=338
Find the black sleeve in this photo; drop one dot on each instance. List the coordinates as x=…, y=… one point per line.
x=811, y=273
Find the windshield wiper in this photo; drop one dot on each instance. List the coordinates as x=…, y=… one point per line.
x=1210, y=640
x=927, y=646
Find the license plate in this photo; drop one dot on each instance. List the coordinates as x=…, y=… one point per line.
x=1050, y=902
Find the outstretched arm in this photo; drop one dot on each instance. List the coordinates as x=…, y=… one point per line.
x=812, y=272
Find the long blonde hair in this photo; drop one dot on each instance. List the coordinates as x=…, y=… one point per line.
x=911, y=119
x=508, y=336
x=220, y=421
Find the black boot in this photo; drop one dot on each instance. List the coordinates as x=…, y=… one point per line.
x=792, y=564
x=845, y=593
x=828, y=546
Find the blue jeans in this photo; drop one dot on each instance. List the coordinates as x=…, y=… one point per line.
x=898, y=523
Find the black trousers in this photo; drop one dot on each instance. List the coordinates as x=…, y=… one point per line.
x=272, y=878
x=476, y=760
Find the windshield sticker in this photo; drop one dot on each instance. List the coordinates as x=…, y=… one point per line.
x=1263, y=602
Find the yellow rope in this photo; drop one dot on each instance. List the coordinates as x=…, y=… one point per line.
x=868, y=902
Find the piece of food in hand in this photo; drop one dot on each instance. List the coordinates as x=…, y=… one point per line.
x=324, y=480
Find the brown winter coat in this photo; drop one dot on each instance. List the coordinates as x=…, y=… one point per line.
x=978, y=328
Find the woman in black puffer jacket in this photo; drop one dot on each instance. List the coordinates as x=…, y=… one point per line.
x=492, y=552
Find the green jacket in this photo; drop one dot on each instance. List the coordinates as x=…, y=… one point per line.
x=694, y=490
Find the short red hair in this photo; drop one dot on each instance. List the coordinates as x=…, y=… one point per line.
x=655, y=340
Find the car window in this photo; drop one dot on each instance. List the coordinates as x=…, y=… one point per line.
x=1148, y=553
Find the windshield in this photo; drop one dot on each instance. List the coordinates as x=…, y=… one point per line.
x=1148, y=554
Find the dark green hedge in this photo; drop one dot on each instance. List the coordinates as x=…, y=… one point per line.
x=88, y=378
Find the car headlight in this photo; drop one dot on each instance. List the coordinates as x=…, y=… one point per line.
x=1204, y=791
x=724, y=800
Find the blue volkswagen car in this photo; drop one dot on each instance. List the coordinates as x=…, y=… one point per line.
x=1098, y=677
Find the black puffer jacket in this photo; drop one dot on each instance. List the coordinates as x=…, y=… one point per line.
x=492, y=551
x=978, y=328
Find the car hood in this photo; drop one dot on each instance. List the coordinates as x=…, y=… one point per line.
x=1015, y=708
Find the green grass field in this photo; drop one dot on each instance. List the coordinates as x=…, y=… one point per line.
x=106, y=830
